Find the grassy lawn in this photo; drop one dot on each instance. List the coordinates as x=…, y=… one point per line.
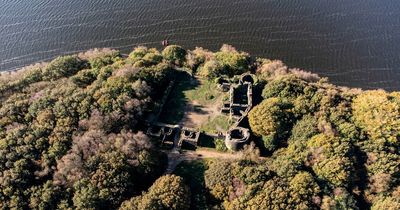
x=217, y=124
x=189, y=90
x=206, y=93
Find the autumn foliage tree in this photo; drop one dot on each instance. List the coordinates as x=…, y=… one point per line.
x=167, y=192
x=72, y=137
x=271, y=119
x=69, y=136
x=174, y=54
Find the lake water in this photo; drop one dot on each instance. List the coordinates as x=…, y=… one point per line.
x=353, y=42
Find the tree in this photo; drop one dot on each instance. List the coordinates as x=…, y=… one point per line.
x=272, y=120
x=304, y=190
x=304, y=129
x=227, y=62
x=269, y=69
x=44, y=197
x=174, y=54
x=70, y=137
x=288, y=86
x=389, y=203
x=218, y=179
x=273, y=195
x=20, y=79
x=197, y=57
x=104, y=58
x=252, y=173
x=143, y=57
x=233, y=62
x=212, y=69
x=112, y=176
x=62, y=67
x=378, y=113
x=329, y=157
x=167, y=192
x=138, y=53
x=287, y=162
x=84, y=78
x=86, y=195
x=340, y=199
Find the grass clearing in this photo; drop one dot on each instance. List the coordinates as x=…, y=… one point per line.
x=206, y=93
x=220, y=123
x=192, y=101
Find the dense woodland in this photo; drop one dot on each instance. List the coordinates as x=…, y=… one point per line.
x=72, y=137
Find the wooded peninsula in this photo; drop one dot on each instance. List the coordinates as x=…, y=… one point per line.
x=193, y=129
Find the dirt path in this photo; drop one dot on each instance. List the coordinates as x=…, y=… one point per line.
x=174, y=157
x=200, y=154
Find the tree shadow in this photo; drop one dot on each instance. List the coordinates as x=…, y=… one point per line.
x=199, y=109
x=193, y=174
x=257, y=93
x=361, y=176
x=174, y=108
x=258, y=141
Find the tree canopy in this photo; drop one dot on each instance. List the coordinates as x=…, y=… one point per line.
x=73, y=136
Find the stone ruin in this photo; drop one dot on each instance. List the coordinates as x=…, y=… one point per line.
x=224, y=87
x=188, y=135
x=236, y=138
x=238, y=107
x=173, y=136
x=240, y=98
x=167, y=133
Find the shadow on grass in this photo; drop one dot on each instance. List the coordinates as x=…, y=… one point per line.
x=206, y=141
x=199, y=109
x=174, y=108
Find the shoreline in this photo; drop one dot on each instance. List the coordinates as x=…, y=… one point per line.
x=18, y=70
x=15, y=72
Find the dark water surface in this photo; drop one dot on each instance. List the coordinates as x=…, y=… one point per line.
x=353, y=42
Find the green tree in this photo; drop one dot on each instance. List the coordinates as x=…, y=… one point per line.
x=378, y=113
x=174, y=54
x=340, y=199
x=233, y=62
x=273, y=195
x=86, y=195
x=44, y=197
x=304, y=189
x=218, y=179
x=304, y=129
x=288, y=86
x=330, y=159
x=272, y=120
x=62, y=67
x=112, y=176
x=212, y=69
x=167, y=192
